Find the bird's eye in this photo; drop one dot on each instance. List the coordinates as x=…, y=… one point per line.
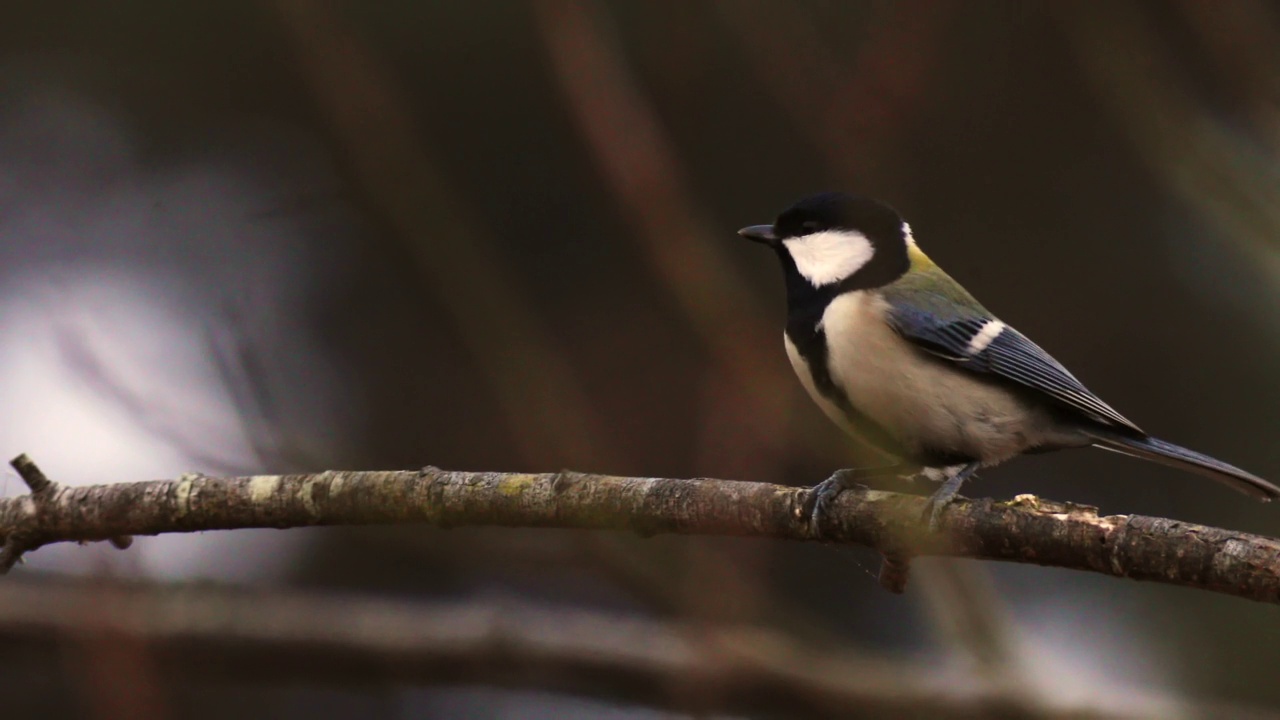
x=811, y=227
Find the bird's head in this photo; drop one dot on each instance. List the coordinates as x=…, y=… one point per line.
x=838, y=240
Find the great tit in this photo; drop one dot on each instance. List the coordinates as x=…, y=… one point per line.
x=899, y=354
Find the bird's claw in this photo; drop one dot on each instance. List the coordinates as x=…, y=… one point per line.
x=944, y=495
x=932, y=514
x=821, y=495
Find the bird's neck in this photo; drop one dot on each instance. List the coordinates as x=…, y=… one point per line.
x=917, y=258
x=806, y=302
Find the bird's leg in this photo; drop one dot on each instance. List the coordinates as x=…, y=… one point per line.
x=943, y=496
x=821, y=495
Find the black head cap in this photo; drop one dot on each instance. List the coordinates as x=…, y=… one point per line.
x=841, y=211
x=879, y=223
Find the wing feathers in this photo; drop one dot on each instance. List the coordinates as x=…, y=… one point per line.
x=1013, y=356
x=986, y=345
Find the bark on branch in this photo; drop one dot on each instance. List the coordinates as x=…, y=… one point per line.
x=1026, y=529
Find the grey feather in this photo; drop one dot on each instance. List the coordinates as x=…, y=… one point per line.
x=1009, y=356
x=1166, y=453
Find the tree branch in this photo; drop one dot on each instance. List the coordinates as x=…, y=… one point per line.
x=208, y=632
x=1026, y=529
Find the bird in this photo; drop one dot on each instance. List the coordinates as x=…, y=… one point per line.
x=900, y=355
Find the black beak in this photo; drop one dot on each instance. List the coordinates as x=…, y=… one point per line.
x=759, y=233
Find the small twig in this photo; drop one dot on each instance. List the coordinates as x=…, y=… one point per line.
x=12, y=550
x=22, y=535
x=17, y=539
x=895, y=570
x=32, y=475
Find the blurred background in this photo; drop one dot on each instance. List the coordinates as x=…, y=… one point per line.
x=293, y=235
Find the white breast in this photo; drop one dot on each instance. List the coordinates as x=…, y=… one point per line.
x=919, y=400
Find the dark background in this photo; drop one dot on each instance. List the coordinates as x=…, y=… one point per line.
x=265, y=237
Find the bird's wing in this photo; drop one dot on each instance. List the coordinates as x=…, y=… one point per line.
x=970, y=338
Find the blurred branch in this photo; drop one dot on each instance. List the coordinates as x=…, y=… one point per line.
x=968, y=612
x=643, y=170
x=1219, y=172
x=856, y=112
x=214, y=632
x=1242, y=41
x=549, y=412
x=1025, y=529
x=77, y=351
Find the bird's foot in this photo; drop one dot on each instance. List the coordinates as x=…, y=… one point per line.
x=821, y=495
x=943, y=496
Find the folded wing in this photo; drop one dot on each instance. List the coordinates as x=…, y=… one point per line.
x=985, y=345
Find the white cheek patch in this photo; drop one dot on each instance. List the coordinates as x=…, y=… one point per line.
x=831, y=256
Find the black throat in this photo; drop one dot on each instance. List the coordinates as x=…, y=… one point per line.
x=806, y=303
x=805, y=307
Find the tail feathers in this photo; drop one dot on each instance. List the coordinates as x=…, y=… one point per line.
x=1149, y=448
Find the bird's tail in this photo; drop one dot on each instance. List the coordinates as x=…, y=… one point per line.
x=1149, y=448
